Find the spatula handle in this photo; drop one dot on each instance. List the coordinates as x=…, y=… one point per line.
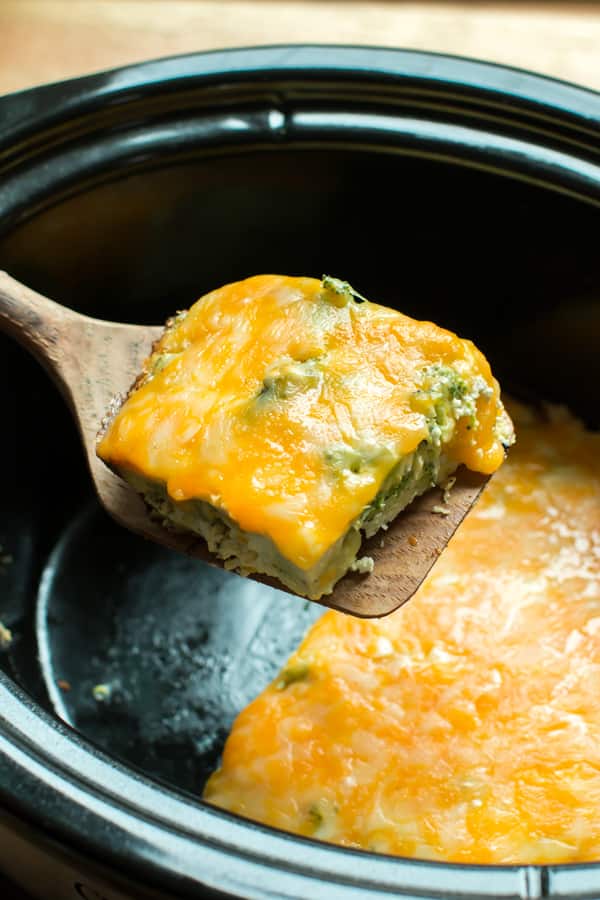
x=35, y=321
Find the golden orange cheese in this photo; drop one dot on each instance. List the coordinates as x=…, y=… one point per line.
x=466, y=725
x=203, y=426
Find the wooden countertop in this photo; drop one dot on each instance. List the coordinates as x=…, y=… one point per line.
x=47, y=40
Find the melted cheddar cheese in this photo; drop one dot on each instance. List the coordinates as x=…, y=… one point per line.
x=252, y=395
x=466, y=725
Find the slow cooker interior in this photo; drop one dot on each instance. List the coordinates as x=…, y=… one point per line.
x=182, y=646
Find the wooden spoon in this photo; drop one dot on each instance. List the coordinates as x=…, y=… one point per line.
x=94, y=362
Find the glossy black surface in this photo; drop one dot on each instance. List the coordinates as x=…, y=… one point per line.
x=464, y=193
x=160, y=652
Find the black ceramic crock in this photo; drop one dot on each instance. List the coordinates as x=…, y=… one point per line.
x=456, y=190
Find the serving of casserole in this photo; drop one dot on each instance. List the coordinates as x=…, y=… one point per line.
x=283, y=418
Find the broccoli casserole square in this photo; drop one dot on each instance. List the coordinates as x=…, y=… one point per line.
x=283, y=418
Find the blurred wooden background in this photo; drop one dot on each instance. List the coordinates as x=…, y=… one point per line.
x=46, y=40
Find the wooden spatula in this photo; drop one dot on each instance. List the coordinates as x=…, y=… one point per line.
x=94, y=362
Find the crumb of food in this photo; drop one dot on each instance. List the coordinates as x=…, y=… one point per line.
x=441, y=510
x=364, y=565
x=102, y=692
x=296, y=672
x=5, y=559
x=412, y=540
x=382, y=543
x=5, y=637
x=447, y=488
x=63, y=684
x=315, y=816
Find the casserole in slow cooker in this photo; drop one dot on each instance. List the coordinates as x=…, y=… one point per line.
x=464, y=726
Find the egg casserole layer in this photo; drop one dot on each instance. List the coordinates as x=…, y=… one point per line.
x=466, y=725
x=280, y=418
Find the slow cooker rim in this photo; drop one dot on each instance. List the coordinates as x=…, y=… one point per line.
x=55, y=131
x=31, y=740
x=578, y=103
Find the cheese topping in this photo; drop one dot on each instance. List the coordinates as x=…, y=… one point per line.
x=259, y=388
x=466, y=725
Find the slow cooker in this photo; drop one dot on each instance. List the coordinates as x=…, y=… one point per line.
x=456, y=190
